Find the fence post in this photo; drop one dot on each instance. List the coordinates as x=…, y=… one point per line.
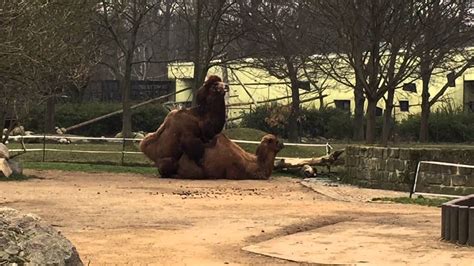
x=123, y=150
x=328, y=148
x=44, y=146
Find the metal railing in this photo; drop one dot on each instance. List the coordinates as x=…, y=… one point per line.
x=45, y=138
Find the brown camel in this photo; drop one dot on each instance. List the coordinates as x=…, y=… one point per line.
x=188, y=130
x=227, y=160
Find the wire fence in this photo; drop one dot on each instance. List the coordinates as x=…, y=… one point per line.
x=54, y=148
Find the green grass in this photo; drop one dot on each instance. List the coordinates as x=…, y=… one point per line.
x=244, y=133
x=419, y=200
x=91, y=168
x=288, y=151
x=140, y=159
x=96, y=158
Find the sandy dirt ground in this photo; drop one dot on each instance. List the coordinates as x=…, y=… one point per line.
x=135, y=219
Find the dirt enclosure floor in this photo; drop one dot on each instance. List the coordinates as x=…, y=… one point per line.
x=135, y=219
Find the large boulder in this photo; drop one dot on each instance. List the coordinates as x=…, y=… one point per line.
x=5, y=169
x=18, y=131
x=4, y=151
x=26, y=239
x=7, y=165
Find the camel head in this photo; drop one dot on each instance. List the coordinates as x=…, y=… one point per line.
x=269, y=146
x=212, y=91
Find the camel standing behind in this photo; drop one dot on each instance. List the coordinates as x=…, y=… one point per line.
x=188, y=130
x=227, y=160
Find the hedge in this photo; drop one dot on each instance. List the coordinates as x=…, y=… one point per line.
x=146, y=118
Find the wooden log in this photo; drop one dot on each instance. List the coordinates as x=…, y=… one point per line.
x=326, y=160
x=121, y=110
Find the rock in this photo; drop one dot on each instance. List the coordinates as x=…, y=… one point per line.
x=5, y=170
x=308, y=171
x=135, y=135
x=60, y=131
x=139, y=135
x=25, y=238
x=18, y=131
x=4, y=151
x=64, y=141
x=16, y=167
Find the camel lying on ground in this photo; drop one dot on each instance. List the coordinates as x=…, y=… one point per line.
x=188, y=131
x=227, y=160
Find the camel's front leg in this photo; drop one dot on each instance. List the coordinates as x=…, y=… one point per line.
x=194, y=148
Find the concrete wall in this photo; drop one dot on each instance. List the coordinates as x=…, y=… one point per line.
x=394, y=168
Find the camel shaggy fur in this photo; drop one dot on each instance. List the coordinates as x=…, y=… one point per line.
x=188, y=130
x=227, y=160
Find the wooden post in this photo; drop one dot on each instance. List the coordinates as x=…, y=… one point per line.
x=463, y=224
x=444, y=222
x=453, y=223
x=470, y=239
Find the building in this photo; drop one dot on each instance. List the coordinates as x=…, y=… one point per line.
x=250, y=86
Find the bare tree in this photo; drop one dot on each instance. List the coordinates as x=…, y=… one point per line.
x=122, y=23
x=376, y=40
x=277, y=36
x=43, y=51
x=445, y=34
x=213, y=27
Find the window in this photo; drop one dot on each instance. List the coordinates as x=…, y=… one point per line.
x=411, y=87
x=343, y=104
x=451, y=79
x=404, y=106
x=469, y=95
x=304, y=85
x=378, y=111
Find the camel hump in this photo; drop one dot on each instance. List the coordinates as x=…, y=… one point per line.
x=147, y=140
x=152, y=137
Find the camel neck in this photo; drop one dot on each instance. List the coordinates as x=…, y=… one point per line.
x=217, y=108
x=265, y=163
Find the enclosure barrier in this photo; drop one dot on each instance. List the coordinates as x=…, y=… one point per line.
x=457, y=221
x=415, y=180
x=327, y=146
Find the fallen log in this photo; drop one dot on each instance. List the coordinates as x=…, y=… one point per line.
x=304, y=166
x=102, y=117
x=326, y=160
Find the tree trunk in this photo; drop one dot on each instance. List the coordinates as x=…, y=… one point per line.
x=293, y=123
x=199, y=77
x=294, y=119
x=165, y=42
x=198, y=68
x=3, y=117
x=425, y=107
x=359, y=100
x=370, y=117
x=388, y=119
x=50, y=112
x=126, y=85
x=321, y=101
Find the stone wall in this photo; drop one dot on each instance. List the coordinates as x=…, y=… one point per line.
x=394, y=168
